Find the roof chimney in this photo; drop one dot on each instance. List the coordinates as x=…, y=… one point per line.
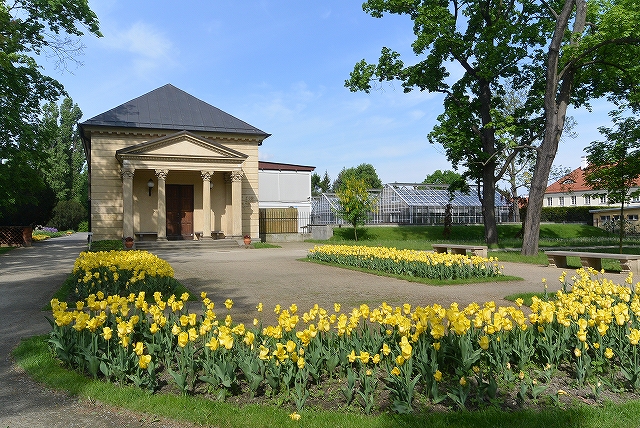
x=583, y=162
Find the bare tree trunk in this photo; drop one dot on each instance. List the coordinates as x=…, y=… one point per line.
x=488, y=202
x=556, y=100
x=514, y=196
x=621, y=225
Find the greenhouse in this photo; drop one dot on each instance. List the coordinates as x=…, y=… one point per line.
x=413, y=203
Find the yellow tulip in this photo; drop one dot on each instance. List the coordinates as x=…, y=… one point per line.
x=106, y=333
x=144, y=361
x=183, y=339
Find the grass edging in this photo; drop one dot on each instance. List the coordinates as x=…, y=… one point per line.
x=34, y=356
x=427, y=281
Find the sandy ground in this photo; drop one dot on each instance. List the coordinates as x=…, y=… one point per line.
x=30, y=276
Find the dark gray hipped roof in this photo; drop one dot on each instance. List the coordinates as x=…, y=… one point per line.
x=171, y=108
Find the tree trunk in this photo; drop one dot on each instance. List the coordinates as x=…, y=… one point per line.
x=515, y=203
x=488, y=138
x=621, y=225
x=556, y=101
x=488, y=206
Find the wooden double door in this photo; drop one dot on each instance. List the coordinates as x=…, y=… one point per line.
x=179, y=198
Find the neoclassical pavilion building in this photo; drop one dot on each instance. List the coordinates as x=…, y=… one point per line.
x=167, y=165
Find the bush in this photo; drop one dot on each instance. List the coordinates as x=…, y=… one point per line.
x=568, y=214
x=83, y=226
x=67, y=215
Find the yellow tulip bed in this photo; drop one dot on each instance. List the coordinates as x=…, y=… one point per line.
x=376, y=359
x=420, y=264
x=121, y=273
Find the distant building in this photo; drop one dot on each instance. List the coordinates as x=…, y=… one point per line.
x=283, y=186
x=414, y=203
x=572, y=190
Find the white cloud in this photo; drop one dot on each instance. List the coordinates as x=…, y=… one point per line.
x=149, y=47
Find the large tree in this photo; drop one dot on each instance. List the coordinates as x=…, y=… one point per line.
x=64, y=166
x=517, y=44
x=28, y=29
x=614, y=164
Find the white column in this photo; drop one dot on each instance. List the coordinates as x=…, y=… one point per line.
x=236, y=201
x=206, y=204
x=161, y=227
x=127, y=202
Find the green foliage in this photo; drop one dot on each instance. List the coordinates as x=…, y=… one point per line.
x=365, y=172
x=106, y=245
x=614, y=164
x=355, y=202
x=64, y=167
x=67, y=215
x=568, y=214
x=30, y=28
x=320, y=185
x=442, y=177
x=547, y=51
x=35, y=201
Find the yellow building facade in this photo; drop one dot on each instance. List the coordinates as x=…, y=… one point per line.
x=167, y=165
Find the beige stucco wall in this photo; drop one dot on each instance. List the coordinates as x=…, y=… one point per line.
x=106, y=184
x=603, y=216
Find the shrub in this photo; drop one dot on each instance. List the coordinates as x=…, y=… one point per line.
x=83, y=226
x=67, y=215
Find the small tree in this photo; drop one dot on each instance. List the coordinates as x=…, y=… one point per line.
x=614, y=164
x=355, y=202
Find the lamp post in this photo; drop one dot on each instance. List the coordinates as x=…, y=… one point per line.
x=150, y=184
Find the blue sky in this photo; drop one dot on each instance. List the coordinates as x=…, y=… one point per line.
x=280, y=66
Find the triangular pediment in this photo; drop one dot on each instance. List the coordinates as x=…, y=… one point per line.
x=184, y=146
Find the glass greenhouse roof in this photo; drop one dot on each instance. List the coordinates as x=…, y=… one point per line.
x=429, y=195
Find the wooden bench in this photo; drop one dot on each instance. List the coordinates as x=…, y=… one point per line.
x=141, y=235
x=628, y=262
x=476, y=250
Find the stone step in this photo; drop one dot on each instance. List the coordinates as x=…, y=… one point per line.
x=211, y=244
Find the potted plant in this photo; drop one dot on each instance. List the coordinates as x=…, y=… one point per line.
x=128, y=242
x=247, y=239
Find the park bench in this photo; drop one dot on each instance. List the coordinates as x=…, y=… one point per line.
x=628, y=262
x=476, y=250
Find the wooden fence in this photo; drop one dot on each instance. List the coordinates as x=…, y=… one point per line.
x=278, y=220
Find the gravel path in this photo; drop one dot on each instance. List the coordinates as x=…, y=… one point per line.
x=30, y=276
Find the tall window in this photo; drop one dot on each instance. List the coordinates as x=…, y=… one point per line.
x=574, y=200
x=549, y=202
x=561, y=201
x=587, y=200
x=603, y=199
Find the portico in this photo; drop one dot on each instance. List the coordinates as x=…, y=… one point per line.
x=178, y=174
